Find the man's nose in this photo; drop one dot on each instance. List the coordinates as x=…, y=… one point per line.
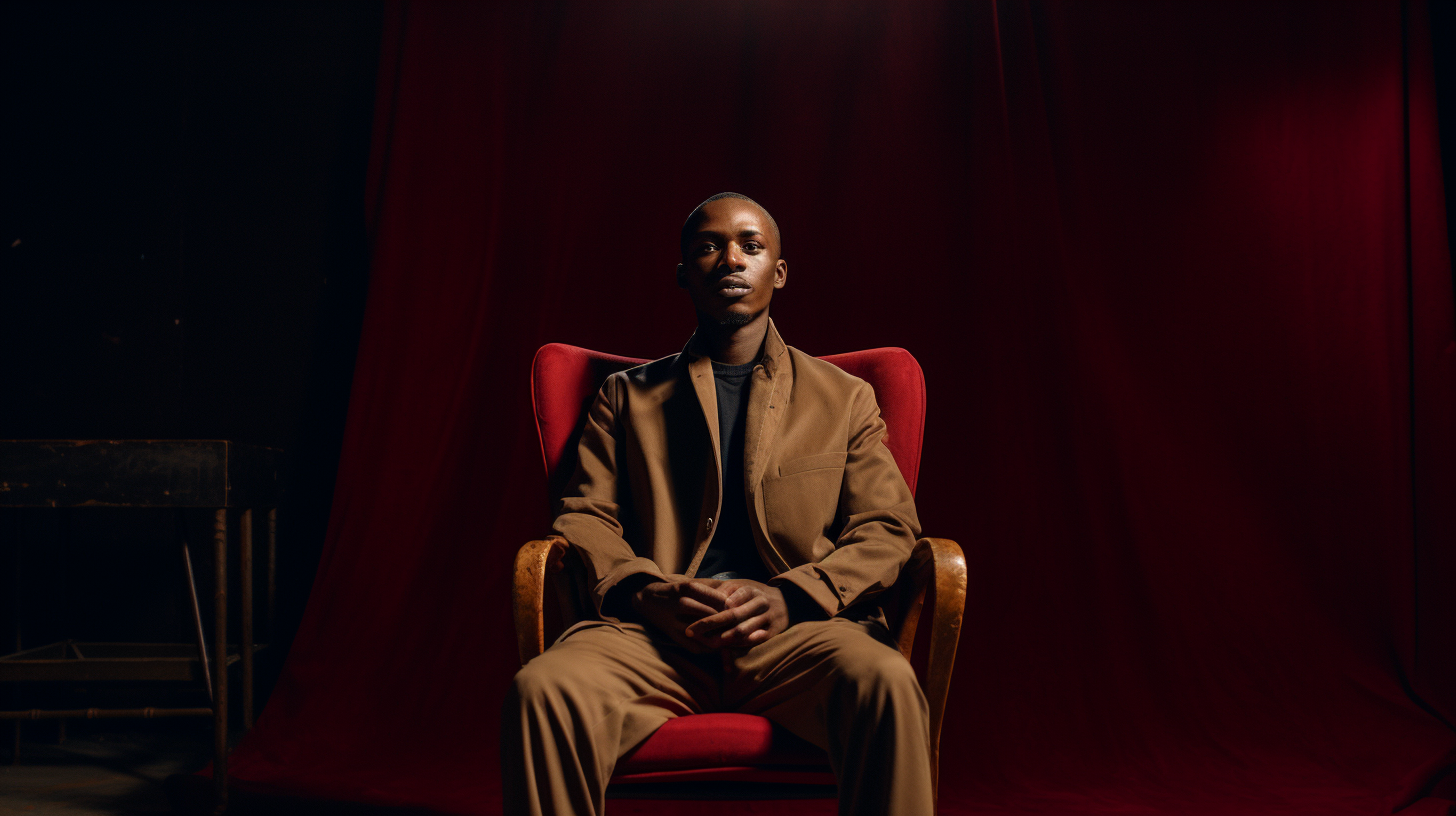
x=732, y=257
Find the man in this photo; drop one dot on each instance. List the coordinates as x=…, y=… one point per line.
x=737, y=510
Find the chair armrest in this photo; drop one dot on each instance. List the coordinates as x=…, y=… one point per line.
x=535, y=562
x=945, y=633
x=937, y=575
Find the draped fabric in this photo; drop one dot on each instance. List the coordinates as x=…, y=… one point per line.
x=1178, y=277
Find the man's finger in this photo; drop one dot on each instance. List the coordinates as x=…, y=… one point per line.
x=741, y=595
x=706, y=627
x=703, y=593
x=694, y=608
x=747, y=632
x=737, y=614
x=726, y=619
x=754, y=623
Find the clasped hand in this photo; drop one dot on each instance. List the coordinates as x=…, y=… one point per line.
x=705, y=613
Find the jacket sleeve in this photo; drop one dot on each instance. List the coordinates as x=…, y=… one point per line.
x=880, y=525
x=588, y=515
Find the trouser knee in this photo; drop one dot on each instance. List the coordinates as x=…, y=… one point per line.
x=888, y=674
x=536, y=686
x=880, y=688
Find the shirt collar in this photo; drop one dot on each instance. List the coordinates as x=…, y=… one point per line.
x=774, y=349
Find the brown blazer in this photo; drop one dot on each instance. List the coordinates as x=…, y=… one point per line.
x=829, y=509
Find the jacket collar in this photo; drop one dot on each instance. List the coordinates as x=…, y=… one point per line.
x=772, y=357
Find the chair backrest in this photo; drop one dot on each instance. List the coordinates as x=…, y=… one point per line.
x=565, y=379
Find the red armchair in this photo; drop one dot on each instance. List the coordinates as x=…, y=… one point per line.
x=549, y=584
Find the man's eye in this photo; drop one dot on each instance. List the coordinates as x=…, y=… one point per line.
x=752, y=246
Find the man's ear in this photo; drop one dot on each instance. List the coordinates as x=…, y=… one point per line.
x=781, y=273
x=682, y=277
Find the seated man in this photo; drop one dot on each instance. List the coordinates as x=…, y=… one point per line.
x=737, y=511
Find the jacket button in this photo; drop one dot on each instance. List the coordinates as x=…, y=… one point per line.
x=710, y=523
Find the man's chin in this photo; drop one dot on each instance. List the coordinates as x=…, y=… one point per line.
x=741, y=318
x=729, y=316
x=735, y=319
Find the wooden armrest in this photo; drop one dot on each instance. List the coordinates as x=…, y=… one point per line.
x=945, y=634
x=535, y=562
x=936, y=574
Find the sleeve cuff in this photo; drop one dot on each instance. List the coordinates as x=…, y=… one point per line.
x=808, y=583
x=612, y=604
x=801, y=606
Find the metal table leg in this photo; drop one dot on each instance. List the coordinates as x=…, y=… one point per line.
x=219, y=662
x=272, y=590
x=245, y=586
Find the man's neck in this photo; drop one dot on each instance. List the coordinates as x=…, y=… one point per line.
x=733, y=345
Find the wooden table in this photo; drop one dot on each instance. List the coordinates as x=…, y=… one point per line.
x=177, y=473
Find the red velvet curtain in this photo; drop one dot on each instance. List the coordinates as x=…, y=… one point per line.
x=1178, y=277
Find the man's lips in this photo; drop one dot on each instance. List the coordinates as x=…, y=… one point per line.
x=733, y=287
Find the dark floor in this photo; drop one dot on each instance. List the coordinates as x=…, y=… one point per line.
x=112, y=770
x=121, y=767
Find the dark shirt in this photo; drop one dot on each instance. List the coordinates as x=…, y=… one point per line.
x=732, y=548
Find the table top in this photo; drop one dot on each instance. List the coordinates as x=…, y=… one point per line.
x=137, y=473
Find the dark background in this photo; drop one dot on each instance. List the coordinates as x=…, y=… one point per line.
x=183, y=256
x=183, y=253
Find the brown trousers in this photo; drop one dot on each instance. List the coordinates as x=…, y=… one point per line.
x=603, y=688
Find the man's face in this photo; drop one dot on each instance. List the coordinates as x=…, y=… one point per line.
x=732, y=265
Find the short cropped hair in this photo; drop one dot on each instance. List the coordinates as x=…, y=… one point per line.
x=689, y=227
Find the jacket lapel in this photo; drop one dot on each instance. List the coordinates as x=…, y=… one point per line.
x=767, y=400
x=700, y=374
x=772, y=383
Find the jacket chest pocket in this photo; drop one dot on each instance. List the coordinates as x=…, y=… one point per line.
x=820, y=461
x=800, y=504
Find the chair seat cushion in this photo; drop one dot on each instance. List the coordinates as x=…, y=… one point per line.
x=703, y=743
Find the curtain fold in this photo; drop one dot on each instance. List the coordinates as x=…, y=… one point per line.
x=1178, y=278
